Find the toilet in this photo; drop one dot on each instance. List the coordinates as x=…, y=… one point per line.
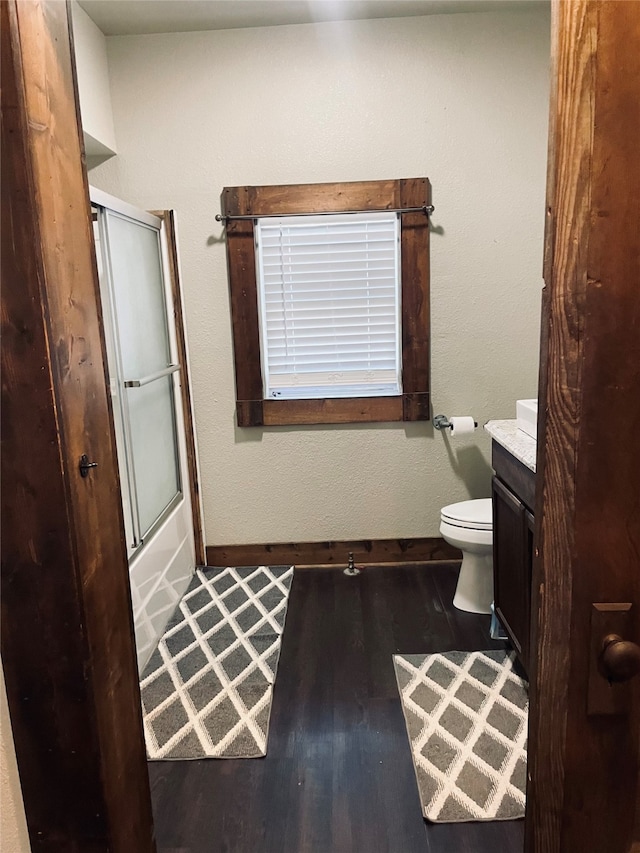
x=469, y=526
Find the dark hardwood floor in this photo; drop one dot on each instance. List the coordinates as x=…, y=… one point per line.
x=338, y=776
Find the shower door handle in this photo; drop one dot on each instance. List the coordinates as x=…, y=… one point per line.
x=145, y=380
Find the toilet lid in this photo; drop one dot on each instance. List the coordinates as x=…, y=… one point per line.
x=476, y=515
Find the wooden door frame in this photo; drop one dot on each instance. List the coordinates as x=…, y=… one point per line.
x=583, y=764
x=67, y=632
x=67, y=628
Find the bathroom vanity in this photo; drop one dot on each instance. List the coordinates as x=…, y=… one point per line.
x=513, y=496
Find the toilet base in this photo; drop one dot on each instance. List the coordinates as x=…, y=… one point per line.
x=474, y=592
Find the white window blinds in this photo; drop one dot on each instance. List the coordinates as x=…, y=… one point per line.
x=329, y=300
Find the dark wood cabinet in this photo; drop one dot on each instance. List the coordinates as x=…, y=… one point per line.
x=513, y=492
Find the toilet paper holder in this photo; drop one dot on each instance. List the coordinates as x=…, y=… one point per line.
x=443, y=422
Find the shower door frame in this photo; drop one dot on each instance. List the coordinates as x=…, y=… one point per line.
x=109, y=203
x=166, y=219
x=166, y=533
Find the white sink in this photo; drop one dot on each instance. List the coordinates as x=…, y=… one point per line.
x=527, y=416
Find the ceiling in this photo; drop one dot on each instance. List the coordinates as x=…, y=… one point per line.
x=135, y=17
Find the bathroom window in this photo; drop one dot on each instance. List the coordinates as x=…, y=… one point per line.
x=329, y=305
x=330, y=301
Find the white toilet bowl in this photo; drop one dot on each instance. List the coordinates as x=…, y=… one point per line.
x=469, y=526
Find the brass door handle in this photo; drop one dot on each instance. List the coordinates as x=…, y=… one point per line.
x=620, y=658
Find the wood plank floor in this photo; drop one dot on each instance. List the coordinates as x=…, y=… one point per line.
x=338, y=776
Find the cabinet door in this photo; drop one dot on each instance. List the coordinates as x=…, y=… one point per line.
x=510, y=567
x=529, y=522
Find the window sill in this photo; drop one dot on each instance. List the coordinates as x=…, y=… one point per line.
x=406, y=407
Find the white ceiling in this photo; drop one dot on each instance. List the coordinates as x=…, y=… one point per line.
x=134, y=17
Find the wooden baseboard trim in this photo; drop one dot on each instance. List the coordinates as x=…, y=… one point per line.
x=316, y=554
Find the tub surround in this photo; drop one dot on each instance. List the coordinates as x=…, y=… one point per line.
x=517, y=442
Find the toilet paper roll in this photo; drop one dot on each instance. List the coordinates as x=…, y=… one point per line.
x=461, y=426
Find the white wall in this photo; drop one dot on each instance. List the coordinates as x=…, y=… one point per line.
x=93, y=85
x=460, y=98
x=14, y=837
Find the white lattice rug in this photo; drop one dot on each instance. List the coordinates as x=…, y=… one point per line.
x=207, y=689
x=466, y=716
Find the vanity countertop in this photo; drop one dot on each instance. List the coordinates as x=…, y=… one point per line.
x=517, y=442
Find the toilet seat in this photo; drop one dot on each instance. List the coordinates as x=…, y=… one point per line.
x=471, y=515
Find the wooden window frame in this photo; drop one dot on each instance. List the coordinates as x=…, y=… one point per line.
x=251, y=407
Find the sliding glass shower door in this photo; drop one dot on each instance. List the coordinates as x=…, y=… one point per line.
x=144, y=377
x=139, y=315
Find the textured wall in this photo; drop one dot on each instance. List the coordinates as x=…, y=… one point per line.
x=460, y=98
x=13, y=827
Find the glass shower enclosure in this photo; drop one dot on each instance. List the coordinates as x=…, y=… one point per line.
x=144, y=374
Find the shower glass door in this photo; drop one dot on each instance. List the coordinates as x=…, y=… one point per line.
x=139, y=314
x=144, y=377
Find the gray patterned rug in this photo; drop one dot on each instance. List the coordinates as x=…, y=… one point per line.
x=466, y=716
x=207, y=689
